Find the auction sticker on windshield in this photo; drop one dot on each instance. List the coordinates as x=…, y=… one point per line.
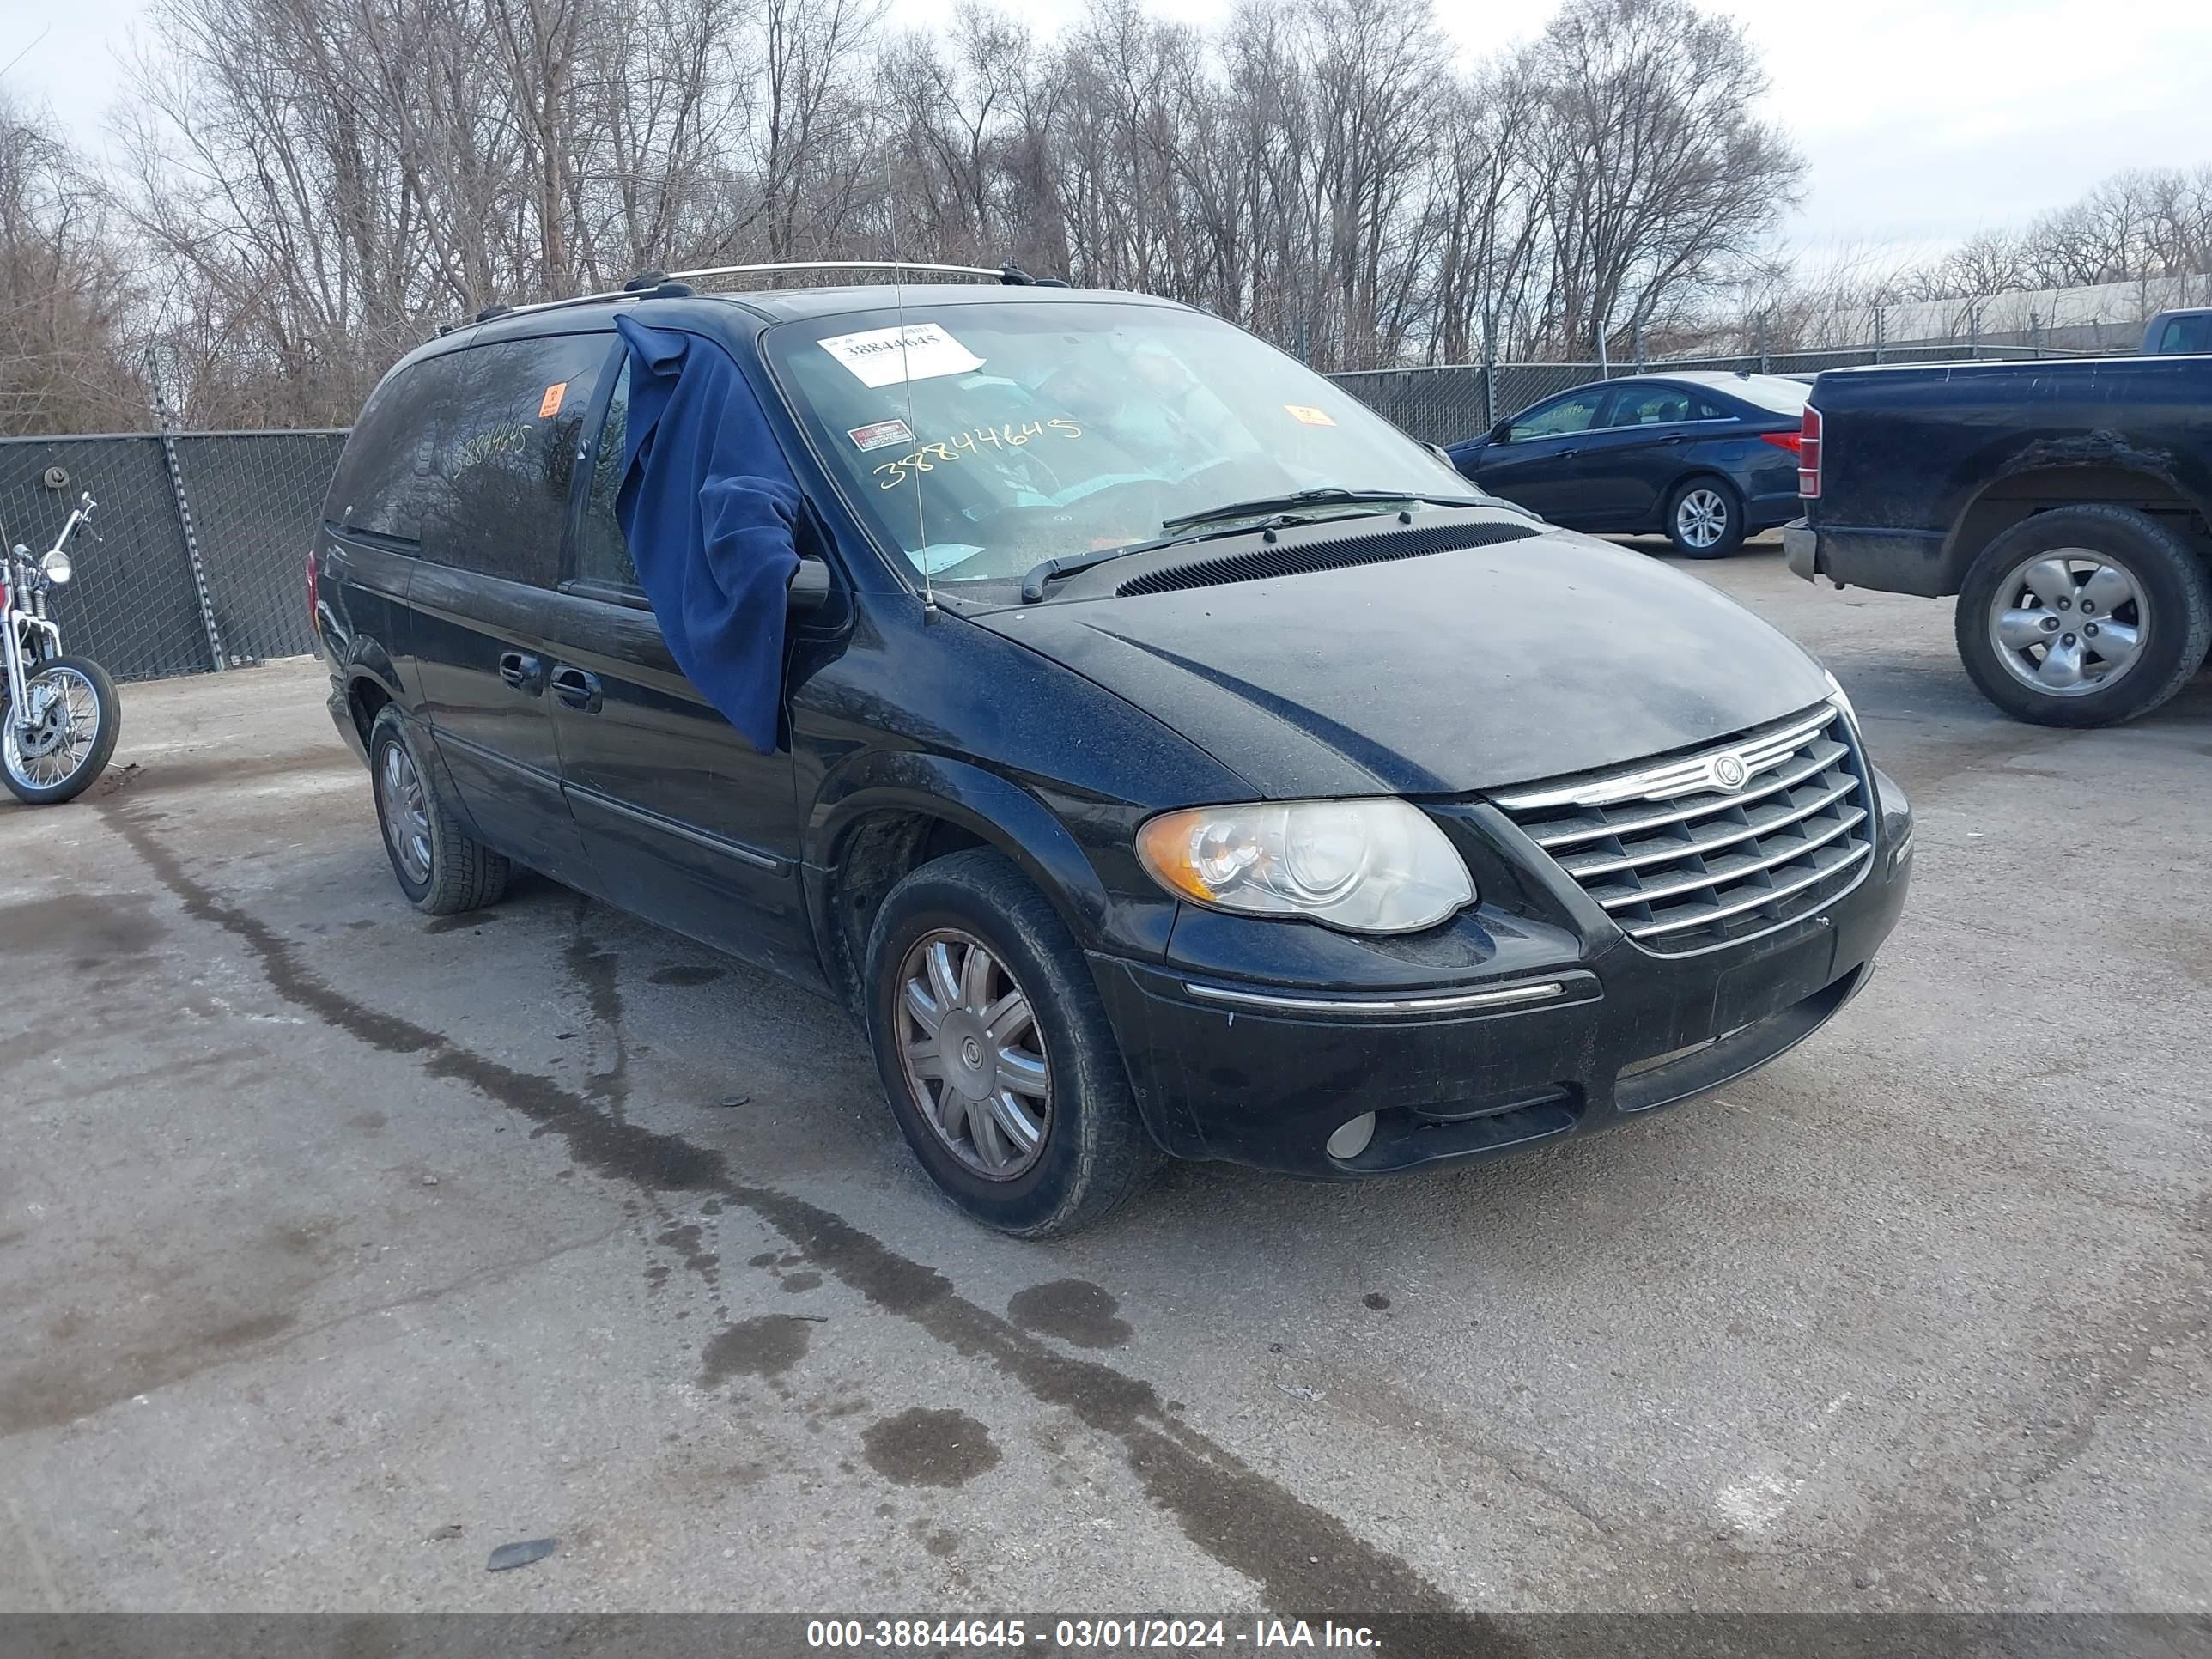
x=878, y=434
x=879, y=356
x=1307, y=416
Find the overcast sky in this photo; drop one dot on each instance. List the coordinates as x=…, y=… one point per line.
x=1924, y=120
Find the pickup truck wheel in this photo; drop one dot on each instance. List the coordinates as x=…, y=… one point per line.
x=2084, y=616
x=995, y=1051
x=1705, y=518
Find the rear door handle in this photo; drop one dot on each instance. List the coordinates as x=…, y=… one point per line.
x=577, y=689
x=525, y=673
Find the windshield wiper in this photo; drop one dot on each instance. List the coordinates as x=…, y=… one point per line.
x=1328, y=496
x=1075, y=563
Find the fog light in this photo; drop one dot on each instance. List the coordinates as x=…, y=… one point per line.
x=1350, y=1137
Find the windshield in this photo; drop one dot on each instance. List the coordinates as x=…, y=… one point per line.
x=1046, y=429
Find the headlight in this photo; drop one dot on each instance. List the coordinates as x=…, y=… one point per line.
x=55, y=567
x=1369, y=866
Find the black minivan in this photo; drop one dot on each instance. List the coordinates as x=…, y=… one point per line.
x=1171, y=756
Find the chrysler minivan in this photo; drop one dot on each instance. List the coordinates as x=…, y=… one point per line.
x=1170, y=755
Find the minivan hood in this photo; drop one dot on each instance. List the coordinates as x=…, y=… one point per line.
x=1451, y=673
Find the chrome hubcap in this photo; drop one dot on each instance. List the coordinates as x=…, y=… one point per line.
x=974, y=1059
x=2068, y=622
x=45, y=749
x=1701, y=517
x=406, y=815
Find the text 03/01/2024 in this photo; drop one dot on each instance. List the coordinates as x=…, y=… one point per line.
x=1129, y=1635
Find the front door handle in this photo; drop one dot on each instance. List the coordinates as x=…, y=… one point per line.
x=577, y=689
x=524, y=672
x=1567, y=455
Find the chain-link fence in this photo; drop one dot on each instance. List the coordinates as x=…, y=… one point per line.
x=195, y=558
x=203, y=537
x=1445, y=404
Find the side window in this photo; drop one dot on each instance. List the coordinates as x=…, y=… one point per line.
x=603, y=554
x=2188, y=335
x=1578, y=413
x=1702, y=411
x=1657, y=405
x=503, y=451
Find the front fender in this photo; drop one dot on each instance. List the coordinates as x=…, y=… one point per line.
x=1016, y=819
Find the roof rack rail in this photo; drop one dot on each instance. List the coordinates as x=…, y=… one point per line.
x=997, y=273
x=672, y=285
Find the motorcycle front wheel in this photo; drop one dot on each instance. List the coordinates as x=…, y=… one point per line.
x=52, y=749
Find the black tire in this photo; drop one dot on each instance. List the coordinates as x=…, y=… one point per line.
x=108, y=727
x=2172, y=612
x=460, y=872
x=1094, y=1151
x=1731, y=533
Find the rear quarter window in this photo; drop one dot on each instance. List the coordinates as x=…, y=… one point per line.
x=470, y=455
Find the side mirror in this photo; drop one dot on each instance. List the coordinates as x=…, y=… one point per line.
x=810, y=587
x=1441, y=454
x=1502, y=433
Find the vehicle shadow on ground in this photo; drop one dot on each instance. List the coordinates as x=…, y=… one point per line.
x=815, y=1115
x=815, y=1119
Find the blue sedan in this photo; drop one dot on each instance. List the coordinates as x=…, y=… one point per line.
x=1706, y=458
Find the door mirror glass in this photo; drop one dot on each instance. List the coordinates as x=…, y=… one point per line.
x=810, y=587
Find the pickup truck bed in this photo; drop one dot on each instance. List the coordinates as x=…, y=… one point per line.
x=2065, y=503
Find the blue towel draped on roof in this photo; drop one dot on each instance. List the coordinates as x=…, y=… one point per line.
x=710, y=509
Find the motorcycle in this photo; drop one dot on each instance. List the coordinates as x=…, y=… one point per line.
x=60, y=715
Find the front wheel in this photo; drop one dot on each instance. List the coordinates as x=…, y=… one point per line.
x=2084, y=616
x=54, y=746
x=995, y=1052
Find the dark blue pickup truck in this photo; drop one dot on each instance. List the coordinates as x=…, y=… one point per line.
x=2065, y=503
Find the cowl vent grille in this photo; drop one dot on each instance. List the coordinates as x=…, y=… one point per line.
x=1338, y=553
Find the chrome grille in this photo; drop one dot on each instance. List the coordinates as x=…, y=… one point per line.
x=1724, y=844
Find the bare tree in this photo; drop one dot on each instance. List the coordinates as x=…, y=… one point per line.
x=62, y=292
x=320, y=182
x=1654, y=173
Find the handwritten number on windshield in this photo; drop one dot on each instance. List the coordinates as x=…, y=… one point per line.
x=925, y=459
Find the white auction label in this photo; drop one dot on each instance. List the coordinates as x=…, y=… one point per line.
x=877, y=356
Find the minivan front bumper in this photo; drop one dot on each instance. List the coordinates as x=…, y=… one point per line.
x=1262, y=1075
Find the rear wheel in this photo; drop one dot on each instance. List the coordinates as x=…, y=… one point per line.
x=995, y=1052
x=2086, y=616
x=1705, y=518
x=441, y=868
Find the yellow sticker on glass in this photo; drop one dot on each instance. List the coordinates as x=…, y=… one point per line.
x=550, y=404
x=1308, y=415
